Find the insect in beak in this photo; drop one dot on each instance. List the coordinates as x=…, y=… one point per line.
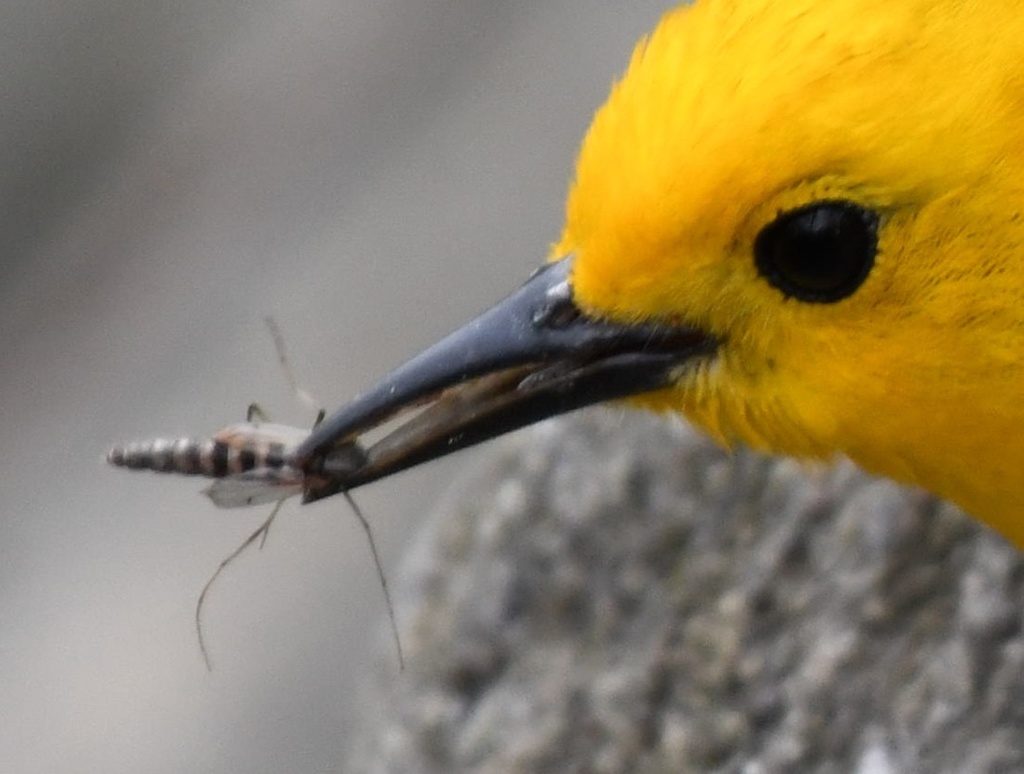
x=534, y=355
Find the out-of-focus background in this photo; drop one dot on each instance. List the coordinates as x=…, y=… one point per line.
x=371, y=173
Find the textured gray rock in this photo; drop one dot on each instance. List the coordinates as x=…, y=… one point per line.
x=611, y=593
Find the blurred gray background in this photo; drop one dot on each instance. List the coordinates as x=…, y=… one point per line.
x=371, y=172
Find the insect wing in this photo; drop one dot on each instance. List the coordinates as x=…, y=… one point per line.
x=255, y=487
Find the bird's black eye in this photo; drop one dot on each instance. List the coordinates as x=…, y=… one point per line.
x=818, y=253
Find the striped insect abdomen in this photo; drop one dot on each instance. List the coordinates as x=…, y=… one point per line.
x=236, y=449
x=187, y=456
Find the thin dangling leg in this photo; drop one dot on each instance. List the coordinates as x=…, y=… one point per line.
x=261, y=533
x=380, y=576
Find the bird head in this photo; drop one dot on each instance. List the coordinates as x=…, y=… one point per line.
x=795, y=223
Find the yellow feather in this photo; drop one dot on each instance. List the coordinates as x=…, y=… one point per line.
x=733, y=111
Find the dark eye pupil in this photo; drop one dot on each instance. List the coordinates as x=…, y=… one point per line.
x=819, y=253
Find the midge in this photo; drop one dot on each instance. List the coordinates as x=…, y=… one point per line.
x=252, y=462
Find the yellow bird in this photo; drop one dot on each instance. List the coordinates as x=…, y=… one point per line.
x=798, y=223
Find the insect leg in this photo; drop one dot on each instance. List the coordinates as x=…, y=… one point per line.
x=261, y=534
x=282, y=356
x=255, y=411
x=381, y=576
